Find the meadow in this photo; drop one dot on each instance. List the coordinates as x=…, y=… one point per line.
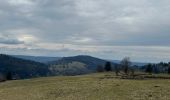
x=98, y=86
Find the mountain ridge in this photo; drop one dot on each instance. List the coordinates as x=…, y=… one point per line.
x=41, y=59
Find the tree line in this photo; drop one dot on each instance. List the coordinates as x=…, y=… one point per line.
x=161, y=67
x=126, y=67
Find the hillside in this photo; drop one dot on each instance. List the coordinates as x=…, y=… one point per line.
x=22, y=68
x=102, y=86
x=69, y=69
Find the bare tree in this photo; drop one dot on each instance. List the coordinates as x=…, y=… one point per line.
x=126, y=63
x=117, y=70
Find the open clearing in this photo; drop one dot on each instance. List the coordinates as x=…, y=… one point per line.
x=100, y=86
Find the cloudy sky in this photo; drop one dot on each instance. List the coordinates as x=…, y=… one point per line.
x=110, y=29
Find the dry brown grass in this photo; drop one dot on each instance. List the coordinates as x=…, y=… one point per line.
x=103, y=86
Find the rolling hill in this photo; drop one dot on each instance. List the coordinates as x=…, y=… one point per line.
x=76, y=65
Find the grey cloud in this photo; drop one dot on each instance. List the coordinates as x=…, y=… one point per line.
x=88, y=22
x=11, y=41
x=135, y=23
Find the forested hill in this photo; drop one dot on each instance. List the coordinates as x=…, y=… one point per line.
x=89, y=61
x=22, y=68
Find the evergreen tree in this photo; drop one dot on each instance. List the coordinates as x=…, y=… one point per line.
x=108, y=66
x=169, y=69
x=9, y=76
x=149, y=68
x=155, y=69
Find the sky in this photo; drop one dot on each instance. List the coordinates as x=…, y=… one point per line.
x=109, y=29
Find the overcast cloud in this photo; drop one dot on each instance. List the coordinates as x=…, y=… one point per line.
x=108, y=29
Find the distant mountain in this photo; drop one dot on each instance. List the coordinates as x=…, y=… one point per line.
x=89, y=61
x=133, y=63
x=41, y=59
x=22, y=68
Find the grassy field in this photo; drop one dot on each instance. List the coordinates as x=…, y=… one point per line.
x=103, y=86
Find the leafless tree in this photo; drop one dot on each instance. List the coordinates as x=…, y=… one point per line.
x=126, y=63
